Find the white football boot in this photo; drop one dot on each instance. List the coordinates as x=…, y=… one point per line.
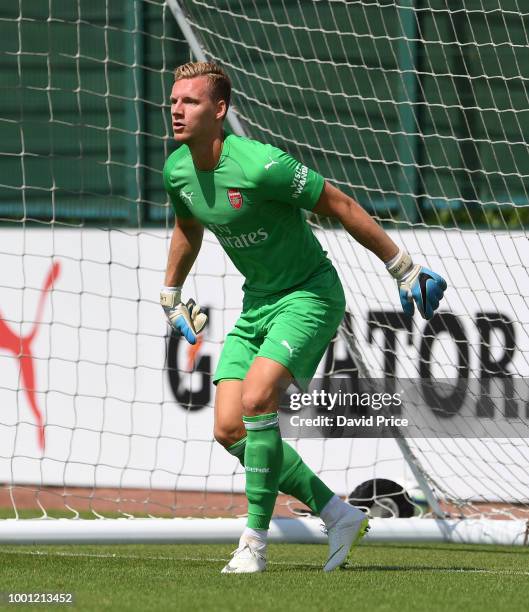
x=343, y=535
x=249, y=558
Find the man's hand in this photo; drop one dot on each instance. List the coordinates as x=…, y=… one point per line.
x=186, y=319
x=417, y=285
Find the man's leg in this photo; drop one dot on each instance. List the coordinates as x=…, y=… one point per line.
x=297, y=328
x=295, y=478
x=263, y=458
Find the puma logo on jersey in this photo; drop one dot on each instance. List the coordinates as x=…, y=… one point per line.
x=187, y=196
x=287, y=346
x=270, y=164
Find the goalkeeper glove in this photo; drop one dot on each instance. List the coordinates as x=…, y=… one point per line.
x=186, y=319
x=416, y=284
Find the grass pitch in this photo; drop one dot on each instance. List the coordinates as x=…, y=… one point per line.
x=401, y=577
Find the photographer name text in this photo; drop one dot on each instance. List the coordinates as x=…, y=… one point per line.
x=340, y=420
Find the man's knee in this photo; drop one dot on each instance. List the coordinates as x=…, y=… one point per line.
x=258, y=400
x=228, y=428
x=262, y=386
x=227, y=434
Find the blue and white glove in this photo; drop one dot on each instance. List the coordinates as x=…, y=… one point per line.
x=417, y=285
x=186, y=319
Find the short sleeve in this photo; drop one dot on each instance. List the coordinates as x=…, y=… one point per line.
x=288, y=180
x=180, y=209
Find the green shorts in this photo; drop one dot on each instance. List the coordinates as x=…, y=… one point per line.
x=293, y=329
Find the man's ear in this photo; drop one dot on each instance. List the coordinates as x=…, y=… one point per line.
x=222, y=109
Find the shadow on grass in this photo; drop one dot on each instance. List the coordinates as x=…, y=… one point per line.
x=472, y=548
x=411, y=568
x=279, y=567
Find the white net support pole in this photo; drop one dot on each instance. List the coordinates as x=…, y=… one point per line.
x=286, y=530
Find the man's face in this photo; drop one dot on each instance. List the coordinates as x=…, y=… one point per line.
x=194, y=114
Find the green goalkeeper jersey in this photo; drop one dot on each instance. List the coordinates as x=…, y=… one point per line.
x=252, y=202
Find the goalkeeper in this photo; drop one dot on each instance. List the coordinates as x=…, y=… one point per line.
x=251, y=196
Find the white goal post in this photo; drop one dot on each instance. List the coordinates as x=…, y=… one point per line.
x=415, y=109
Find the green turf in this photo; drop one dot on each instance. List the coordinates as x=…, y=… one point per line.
x=186, y=577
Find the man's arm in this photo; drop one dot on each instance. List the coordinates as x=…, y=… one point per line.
x=362, y=227
x=183, y=250
x=415, y=283
x=186, y=319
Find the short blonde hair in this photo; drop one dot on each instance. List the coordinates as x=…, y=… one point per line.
x=219, y=81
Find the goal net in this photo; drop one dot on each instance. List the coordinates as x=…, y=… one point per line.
x=417, y=109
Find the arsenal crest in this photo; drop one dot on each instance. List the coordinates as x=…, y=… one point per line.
x=235, y=198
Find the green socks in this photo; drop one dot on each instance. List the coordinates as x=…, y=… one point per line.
x=295, y=478
x=298, y=480
x=263, y=457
